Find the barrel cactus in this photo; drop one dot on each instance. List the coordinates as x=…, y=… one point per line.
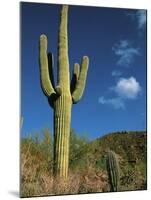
x=62, y=96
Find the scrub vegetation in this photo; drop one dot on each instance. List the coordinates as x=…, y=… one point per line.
x=88, y=168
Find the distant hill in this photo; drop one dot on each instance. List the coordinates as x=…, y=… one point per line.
x=131, y=146
x=131, y=149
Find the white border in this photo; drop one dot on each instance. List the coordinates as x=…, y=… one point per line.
x=9, y=97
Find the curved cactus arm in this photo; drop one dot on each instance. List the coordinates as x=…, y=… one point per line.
x=80, y=85
x=44, y=71
x=75, y=76
x=51, y=68
x=76, y=70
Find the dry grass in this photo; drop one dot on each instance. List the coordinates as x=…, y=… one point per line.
x=38, y=182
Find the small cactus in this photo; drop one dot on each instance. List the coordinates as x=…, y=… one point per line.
x=113, y=170
x=21, y=122
x=64, y=94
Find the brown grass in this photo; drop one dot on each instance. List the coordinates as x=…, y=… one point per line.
x=38, y=182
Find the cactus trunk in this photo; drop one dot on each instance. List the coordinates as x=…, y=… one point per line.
x=113, y=170
x=62, y=118
x=63, y=60
x=64, y=94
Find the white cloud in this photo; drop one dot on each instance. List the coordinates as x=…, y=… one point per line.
x=126, y=53
x=140, y=18
x=128, y=88
x=116, y=73
x=125, y=89
x=117, y=102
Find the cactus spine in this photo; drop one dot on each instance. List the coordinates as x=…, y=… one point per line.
x=64, y=94
x=113, y=170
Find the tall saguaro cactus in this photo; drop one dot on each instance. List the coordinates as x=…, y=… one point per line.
x=64, y=94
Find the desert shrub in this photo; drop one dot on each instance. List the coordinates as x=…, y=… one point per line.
x=78, y=151
x=36, y=164
x=101, y=163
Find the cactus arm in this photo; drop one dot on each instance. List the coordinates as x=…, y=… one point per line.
x=51, y=68
x=63, y=60
x=76, y=70
x=44, y=71
x=80, y=85
x=58, y=89
x=75, y=76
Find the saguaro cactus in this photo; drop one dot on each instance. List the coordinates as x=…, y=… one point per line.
x=64, y=94
x=113, y=170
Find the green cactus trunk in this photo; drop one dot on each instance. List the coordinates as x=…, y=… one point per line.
x=62, y=118
x=113, y=170
x=64, y=94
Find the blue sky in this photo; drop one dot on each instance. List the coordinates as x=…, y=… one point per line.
x=115, y=41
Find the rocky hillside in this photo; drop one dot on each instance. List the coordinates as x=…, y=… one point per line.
x=131, y=150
